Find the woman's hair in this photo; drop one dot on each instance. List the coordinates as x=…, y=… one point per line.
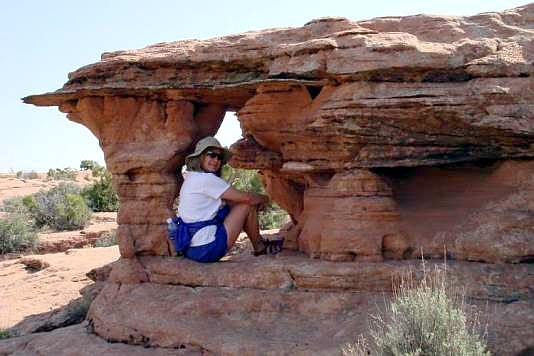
x=194, y=165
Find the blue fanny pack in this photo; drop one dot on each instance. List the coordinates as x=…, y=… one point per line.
x=181, y=233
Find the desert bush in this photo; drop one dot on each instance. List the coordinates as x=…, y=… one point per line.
x=15, y=205
x=272, y=217
x=248, y=180
x=5, y=334
x=77, y=311
x=98, y=171
x=109, y=239
x=61, y=174
x=61, y=208
x=428, y=318
x=27, y=175
x=359, y=348
x=101, y=196
x=16, y=233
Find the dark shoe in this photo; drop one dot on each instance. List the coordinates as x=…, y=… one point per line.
x=270, y=247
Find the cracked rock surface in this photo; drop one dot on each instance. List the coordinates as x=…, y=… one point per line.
x=290, y=304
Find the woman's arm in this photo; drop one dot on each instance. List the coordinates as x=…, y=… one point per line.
x=236, y=196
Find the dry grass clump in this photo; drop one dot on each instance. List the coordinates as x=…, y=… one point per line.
x=425, y=318
x=34, y=264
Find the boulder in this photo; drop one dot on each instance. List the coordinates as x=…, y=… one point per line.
x=290, y=304
x=78, y=340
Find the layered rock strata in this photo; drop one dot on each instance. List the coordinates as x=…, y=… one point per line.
x=332, y=101
x=290, y=304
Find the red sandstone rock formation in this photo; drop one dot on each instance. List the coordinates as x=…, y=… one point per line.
x=333, y=101
x=385, y=138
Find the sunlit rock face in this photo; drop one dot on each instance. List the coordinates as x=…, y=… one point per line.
x=384, y=140
x=387, y=138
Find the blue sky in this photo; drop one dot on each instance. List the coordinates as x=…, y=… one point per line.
x=44, y=40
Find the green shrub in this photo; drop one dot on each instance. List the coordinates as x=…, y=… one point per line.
x=15, y=205
x=61, y=208
x=98, y=171
x=5, y=334
x=16, y=233
x=77, y=311
x=29, y=202
x=101, y=196
x=109, y=239
x=425, y=319
x=61, y=174
x=248, y=180
x=272, y=217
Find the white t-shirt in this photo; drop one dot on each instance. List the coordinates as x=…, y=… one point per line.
x=200, y=200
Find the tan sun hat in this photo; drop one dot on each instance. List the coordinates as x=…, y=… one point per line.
x=206, y=143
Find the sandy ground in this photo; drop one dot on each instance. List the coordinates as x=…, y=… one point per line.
x=11, y=186
x=100, y=225
x=24, y=292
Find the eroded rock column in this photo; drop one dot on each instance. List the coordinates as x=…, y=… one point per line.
x=350, y=218
x=144, y=140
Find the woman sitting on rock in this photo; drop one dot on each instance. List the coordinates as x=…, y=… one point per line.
x=211, y=212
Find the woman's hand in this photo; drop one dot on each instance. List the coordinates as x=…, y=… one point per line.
x=258, y=199
x=262, y=201
x=236, y=196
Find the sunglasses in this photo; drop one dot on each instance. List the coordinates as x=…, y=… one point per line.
x=212, y=154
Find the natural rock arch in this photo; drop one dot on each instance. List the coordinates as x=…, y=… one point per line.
x=382, y=139
x=324, y=108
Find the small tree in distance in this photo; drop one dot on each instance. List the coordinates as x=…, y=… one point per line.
x=101, y=196
x=93, y=166
x=88, y=164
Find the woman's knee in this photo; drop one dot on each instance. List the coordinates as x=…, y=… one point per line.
x=244, y=208
x=236, y=218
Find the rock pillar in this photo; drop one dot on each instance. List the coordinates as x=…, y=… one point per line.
x=349, y=218
x=144, y=141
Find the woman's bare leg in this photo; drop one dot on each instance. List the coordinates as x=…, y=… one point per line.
x=252, y=228
x=243, y=216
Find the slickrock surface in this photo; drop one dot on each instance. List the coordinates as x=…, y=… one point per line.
x=286, y=304
x=75, y=340
x=290, y=304
x=100, y=226
x=26, y=292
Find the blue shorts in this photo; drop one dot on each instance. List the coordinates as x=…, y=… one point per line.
x=213, y=251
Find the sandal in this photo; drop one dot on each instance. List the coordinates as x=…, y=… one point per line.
x=270, y=247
